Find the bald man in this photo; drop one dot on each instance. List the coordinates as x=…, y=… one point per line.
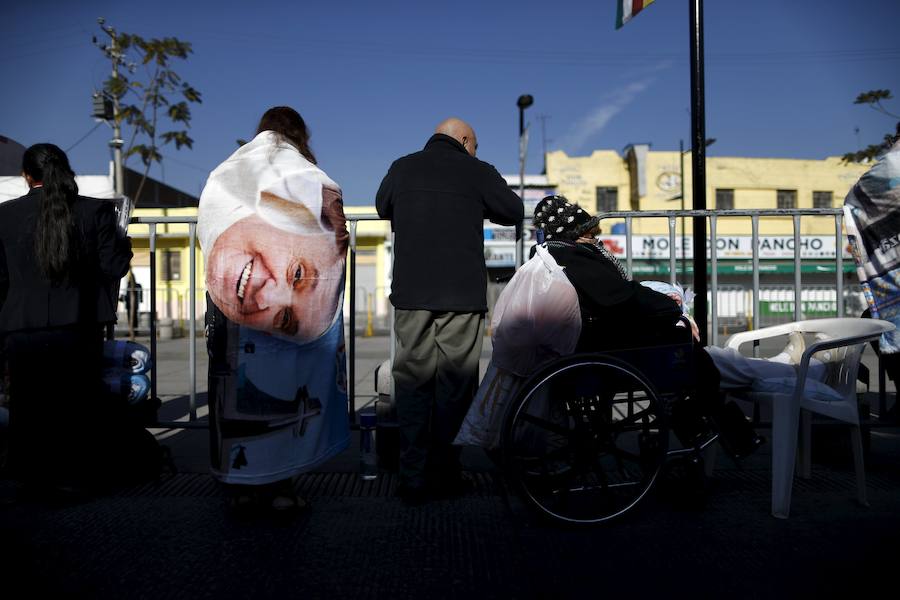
x=437, y=200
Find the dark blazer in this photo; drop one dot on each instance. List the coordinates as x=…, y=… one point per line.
x=437, y=200
x=28, y=300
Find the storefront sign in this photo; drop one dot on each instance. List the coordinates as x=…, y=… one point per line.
x=821, y=308
x=727, y=247
x=500, y=242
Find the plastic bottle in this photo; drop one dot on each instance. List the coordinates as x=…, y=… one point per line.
x=368, y=459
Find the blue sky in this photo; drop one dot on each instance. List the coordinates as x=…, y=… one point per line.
x=373, y=78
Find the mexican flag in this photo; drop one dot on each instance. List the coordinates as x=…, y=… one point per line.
x=628, y=9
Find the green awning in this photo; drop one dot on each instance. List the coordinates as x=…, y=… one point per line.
x=743, y=267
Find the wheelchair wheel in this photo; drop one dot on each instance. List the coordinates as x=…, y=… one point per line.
x=585, y=439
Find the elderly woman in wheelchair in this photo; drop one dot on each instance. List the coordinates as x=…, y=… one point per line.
x=583, y=436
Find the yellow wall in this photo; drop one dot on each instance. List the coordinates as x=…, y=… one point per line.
x=755, y=182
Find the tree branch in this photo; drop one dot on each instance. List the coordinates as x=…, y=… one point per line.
x=152, y=146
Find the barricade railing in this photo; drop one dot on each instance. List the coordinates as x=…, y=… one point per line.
x=629, y=217
x=713, y=217
x=152, y=224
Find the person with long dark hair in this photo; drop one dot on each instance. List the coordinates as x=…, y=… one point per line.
x=60, y=259
x=272, y=228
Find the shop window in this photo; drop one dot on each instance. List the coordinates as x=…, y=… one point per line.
x=724, y=199
x=822, y=200
x=607, y=199
x=786, y=199
x=171, y=265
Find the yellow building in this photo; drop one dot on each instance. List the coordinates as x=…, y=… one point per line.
x=604, y=181
x=642, y=179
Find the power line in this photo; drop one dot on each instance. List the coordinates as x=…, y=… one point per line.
x=586, y=56
x=11, y=57
x=85, y=136
x=184, y=163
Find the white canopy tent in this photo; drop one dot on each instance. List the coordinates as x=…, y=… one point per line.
x=95, y=186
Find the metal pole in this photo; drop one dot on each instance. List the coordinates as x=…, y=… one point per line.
x=351, y=342
x=192, y=329
x=153, y=309
x=798, y=312
x=116, y=143
x=714, y=301
x=672, y=278
x=520, y=243
x=698, y=166
x=683, y=222
x=628, y=259
x=754, y=240
x=839, y=266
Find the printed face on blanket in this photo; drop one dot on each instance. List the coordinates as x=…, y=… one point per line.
x=273, y=232
x=273, y=227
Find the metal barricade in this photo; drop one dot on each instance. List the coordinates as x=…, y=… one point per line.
x=714, y=216
x=728, y=297
x=152, y=224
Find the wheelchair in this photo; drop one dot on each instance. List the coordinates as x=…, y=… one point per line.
x=585, y=438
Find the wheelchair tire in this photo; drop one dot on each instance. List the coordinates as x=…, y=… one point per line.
x=585, y=439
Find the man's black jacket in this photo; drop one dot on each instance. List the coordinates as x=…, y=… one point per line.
x=437, y=200
x=28, y=300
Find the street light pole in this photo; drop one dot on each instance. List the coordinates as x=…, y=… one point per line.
x=116, y=143
x=698, y=165
x=524, y=101
x=683, y=223
x=681, y=152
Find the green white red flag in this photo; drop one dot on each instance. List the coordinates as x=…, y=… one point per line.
x=628, y=9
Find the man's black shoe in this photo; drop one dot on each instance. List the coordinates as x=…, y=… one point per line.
x=736, y=434
x=690, y=427
x=411, y=495
x=744, y=448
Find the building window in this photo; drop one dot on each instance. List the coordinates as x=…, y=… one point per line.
x=171, y=265
x=724, y=199
x=822, y=200
x=787, y=199
x=607, y=199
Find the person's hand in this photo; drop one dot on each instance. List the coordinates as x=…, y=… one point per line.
x=676, y=297
x=695, y=331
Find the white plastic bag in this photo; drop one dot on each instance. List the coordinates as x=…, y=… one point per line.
x=536, y=317
x=484, y=421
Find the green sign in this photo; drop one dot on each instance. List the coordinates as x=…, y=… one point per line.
x=809, y=308
x=648, y=267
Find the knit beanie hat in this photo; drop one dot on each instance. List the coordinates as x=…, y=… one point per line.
x=562, y=220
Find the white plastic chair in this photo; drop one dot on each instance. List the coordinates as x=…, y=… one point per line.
x=846, y=339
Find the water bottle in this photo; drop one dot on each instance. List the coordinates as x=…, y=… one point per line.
x=368, y=459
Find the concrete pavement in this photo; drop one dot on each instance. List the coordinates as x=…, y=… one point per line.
x=175, y=538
